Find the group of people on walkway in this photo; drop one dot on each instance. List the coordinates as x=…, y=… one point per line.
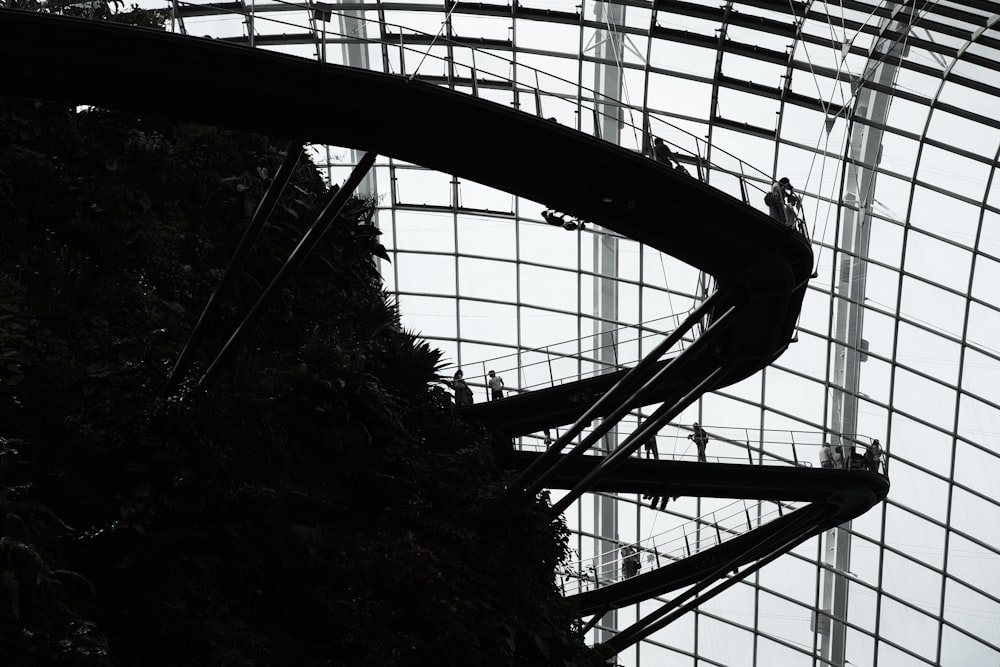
x=783, y=203
x=463, y=392
x=698, y=436
x=847, y=457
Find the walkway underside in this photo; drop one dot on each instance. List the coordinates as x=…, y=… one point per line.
x=775, y=537
x=835, y=496
x=843, y=490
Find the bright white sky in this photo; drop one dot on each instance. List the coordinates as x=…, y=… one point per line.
x=931, y=301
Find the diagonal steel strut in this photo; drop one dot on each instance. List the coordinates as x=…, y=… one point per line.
x=295, y=259
x=660, y=417
x=770, y=548
x=610, y=463
x=521, y=487
x=264, y=209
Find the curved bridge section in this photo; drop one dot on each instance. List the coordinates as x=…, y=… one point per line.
x=761, y=266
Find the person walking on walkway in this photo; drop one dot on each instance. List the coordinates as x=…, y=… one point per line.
x=700, y=439
x=495, y=383
x=652, y=451
x=630, y=560
x=825, y=456
x=463, y=394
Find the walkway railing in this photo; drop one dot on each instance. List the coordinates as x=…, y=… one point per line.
x=407, y=51
x=672, y=545
x=741, y=446
x=720, y=524
x=568, y=361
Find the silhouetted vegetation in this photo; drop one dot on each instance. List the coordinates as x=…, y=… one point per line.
x=318, y=505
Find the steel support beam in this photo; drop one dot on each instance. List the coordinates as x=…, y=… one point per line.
x=548, y=463
x=662, y=415
x=770, y=549
x=294, y=261
x=264, y=209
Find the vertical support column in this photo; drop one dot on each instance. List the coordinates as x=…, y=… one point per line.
x=864, y=149
x=355, y=54
x=608, y=85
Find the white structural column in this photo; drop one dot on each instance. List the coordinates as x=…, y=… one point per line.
x=355, y=50
x=864, y=148
x=608, y=84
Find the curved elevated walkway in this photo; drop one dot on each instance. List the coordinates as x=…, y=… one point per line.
x=762, y=265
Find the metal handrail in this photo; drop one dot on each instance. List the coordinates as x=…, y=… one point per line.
x=740, y=169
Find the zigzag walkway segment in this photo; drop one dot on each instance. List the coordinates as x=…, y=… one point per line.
x=761, y=266
x=833, y=496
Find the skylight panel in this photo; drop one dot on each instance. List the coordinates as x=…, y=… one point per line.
x=486, y=27
x=907, y=116
x=680, y=96
x=957, y=174
x=989, y=76
x=933, y=307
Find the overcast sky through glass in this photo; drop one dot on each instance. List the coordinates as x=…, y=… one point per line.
x=885, y=115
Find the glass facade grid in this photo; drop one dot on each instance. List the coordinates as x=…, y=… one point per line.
x=883, y=114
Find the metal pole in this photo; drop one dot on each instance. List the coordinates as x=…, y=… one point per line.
x=626, y=383
x=292, y=154
x=295, y=259
x=610, y=463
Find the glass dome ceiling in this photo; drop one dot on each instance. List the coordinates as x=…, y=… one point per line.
x=886, y=117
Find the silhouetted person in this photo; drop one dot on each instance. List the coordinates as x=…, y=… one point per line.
x=777, y=197
x=652, y=452
x=825, y=456
x=873, y=455
x=700, y=439
x=495, y=383
x=630, y=560
x=868, y=461
x=838, y=457
x=663, y=154
x=463, y=394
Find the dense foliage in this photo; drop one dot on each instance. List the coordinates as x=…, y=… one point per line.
x=320, y=504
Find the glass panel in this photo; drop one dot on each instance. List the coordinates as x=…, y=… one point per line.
x=944, y=216
x=973, y=612
x=885, y=246
x=927, y=353
x=975, y=515
x=958, y=648
x=430, y=316
x=433, y=274
x=984, y=322
x=973, y=564
x=978, y=469
x=487, y=237
x=485, y=279
x=932, y=306
x=723, y=642
x=986, y=277
x=918, y=396
x=909, y=628
x=418, y=230
x=938, y=262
